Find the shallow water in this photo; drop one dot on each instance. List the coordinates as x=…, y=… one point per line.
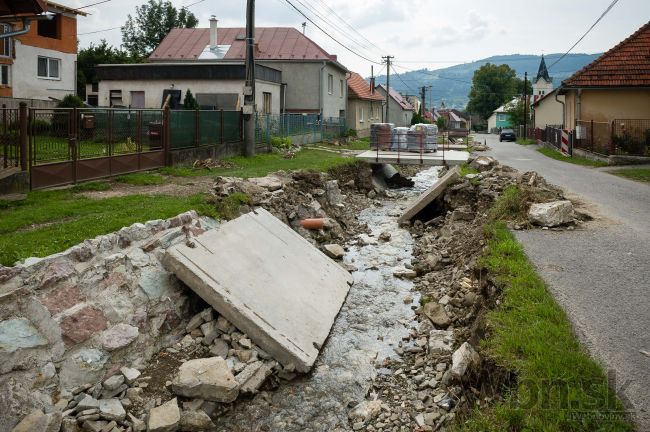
x=369, y=327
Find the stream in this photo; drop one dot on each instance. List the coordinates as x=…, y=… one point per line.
x=369, y=327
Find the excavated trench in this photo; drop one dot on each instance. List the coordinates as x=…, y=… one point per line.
x=371, y=324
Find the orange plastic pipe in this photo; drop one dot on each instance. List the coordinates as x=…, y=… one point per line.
x=313, y=224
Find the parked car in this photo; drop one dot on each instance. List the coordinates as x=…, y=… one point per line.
x=507, y=135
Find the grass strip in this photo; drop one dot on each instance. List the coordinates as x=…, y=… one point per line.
x=51, y=221
x=558, y=387
x=576, y=160
x=638, y=174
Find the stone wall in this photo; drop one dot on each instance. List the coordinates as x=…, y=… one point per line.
x=75, y=317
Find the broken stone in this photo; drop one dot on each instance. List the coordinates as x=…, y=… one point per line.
x=404, y=273
x=38, y=421
x=224, y=325
x=437, y=314
x=194, y=421
x=164, y=418
x=385, y=236
x=365, y=411
x=119, y=336
x=253, y=376
x=79, y=326
x=333, y=193
x=206, y=378
x=483, y=163
x=111, y=409
x=463, y=359
x=551, y=214
x=210, y=332
x=88, y=402
x=334, y=251
x=114, y=382
x=138, y=425
x=219, y=348
x=19, y=333
x=130, y=375
x=194, y=322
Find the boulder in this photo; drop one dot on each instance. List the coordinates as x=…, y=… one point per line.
x=437, y=314
x=164, y=418
x=111, y=409
x=334, y=251
x=483, y=163
x=206, y=378
x=551, y=214
x=194, y=421
x=38, y=421
x=463, y=359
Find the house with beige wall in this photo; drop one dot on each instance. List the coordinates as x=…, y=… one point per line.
x=364, y=105
x=614, y=86
x=548, y=110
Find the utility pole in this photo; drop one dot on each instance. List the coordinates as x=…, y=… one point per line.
x=304, y=26
x=388, y=59
x=525, y=104
x=249, y=88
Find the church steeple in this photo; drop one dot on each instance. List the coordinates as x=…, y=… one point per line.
x=543, y=72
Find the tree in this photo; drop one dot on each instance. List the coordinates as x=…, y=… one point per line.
x=416, y=118
x=190, y=102
x=90, y=57
x=152, y=22
x=441, y=123
x=492, y=86
x=515, y=112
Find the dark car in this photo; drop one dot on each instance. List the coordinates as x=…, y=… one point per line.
x=507, y=135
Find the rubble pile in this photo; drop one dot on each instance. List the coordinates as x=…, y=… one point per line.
x=212, y=164
x=438, y=369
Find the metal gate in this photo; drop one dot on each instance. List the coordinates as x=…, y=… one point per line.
x=70, y=145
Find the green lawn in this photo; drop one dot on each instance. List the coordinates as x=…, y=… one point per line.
x=638, y=174
x=51, y=221
x=352, y=144
x=558, y=386
x=576, y=160
x=264, y=163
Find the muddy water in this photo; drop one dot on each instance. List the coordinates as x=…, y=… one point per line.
x=370, y=326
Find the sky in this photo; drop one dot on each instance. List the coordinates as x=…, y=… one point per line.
x=429, y=34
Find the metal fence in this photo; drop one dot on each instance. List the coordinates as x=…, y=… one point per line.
x=301, y=128
x=631, y=137
x=195, y=128
x=595, y=137
x=10, y=138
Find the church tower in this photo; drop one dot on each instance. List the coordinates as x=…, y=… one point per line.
x=543, y=84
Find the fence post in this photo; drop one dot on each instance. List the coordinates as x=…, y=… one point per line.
x=166, y=136
x=23, y=136
x=197, y=128
x=73, y=142
x=612, y=134
x=591, y=138
x=221, y=126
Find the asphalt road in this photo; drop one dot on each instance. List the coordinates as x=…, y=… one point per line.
x=600, y=274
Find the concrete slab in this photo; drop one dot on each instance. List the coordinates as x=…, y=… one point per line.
x=268, y=281
x=416, y=205
x=450, y=157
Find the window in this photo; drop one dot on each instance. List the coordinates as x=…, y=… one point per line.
x=137, y=99
x=115, y=97
x=94, y=87
x=93, y=100
x=50, y=28
x=267, y=103
x=5, y=44
x=501, y=117
x=342, y=88
x=360, y=114
x=49, y=68
x=330, y=83
x=4, y=74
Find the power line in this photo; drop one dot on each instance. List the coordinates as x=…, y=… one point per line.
x=97, y=31
x=400, y=78
x=92, y=4
x=329, y=35
x=612, y=4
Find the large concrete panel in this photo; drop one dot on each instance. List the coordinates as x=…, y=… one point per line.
x=420, y=202
x=268, y=281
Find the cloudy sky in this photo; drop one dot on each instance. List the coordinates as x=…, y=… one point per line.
x=419, y=33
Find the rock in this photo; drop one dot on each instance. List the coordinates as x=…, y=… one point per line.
x=334, y=251
x=19, y=333
x=464, y=213
x=192, y=421
x=210, y=332
x=469, y=299
x=551, y=214
x=56, y=272
x=224, y=325
x=437, y=314
x=439, y=342
x=69, y=424
x=253, y=376
x=164, y=418
x=93, y=425
x=404, y=273
x=464, y=358
x=119, y=336
x=38, y=421
x=138, y=425
x=333, y=193
x=130, y=375
x=365, y=411
x=385, y=236
x=269, y=183
x=79, y=326
x=483, y=163
x=206, y=378
x=111, y=409
x=219, y=348
x=88, y=402
x=114, y=382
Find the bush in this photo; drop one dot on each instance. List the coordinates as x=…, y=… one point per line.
x=628, y=144
x=351, y=133
x=70, y=101
x=281, y=142
x=441, y=123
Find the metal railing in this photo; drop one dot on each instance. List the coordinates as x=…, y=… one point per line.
x=307, y=128
x=9, y=138
x=412, y=143
x=631, y=137
x=593, y=136
x=199, y=128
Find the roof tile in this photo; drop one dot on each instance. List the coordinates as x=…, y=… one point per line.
x=359, y=88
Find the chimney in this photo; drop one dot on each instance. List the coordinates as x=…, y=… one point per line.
x=213, y=32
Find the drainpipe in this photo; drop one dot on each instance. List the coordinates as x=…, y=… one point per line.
x=25, y=29
x=579, y=106
x=557, y=93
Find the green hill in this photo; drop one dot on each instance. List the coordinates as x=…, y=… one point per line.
x=452, y=84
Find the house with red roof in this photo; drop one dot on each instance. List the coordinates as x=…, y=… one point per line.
x=398, y=110
x=294, y=74
x=614, y=86
x=364, y=104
